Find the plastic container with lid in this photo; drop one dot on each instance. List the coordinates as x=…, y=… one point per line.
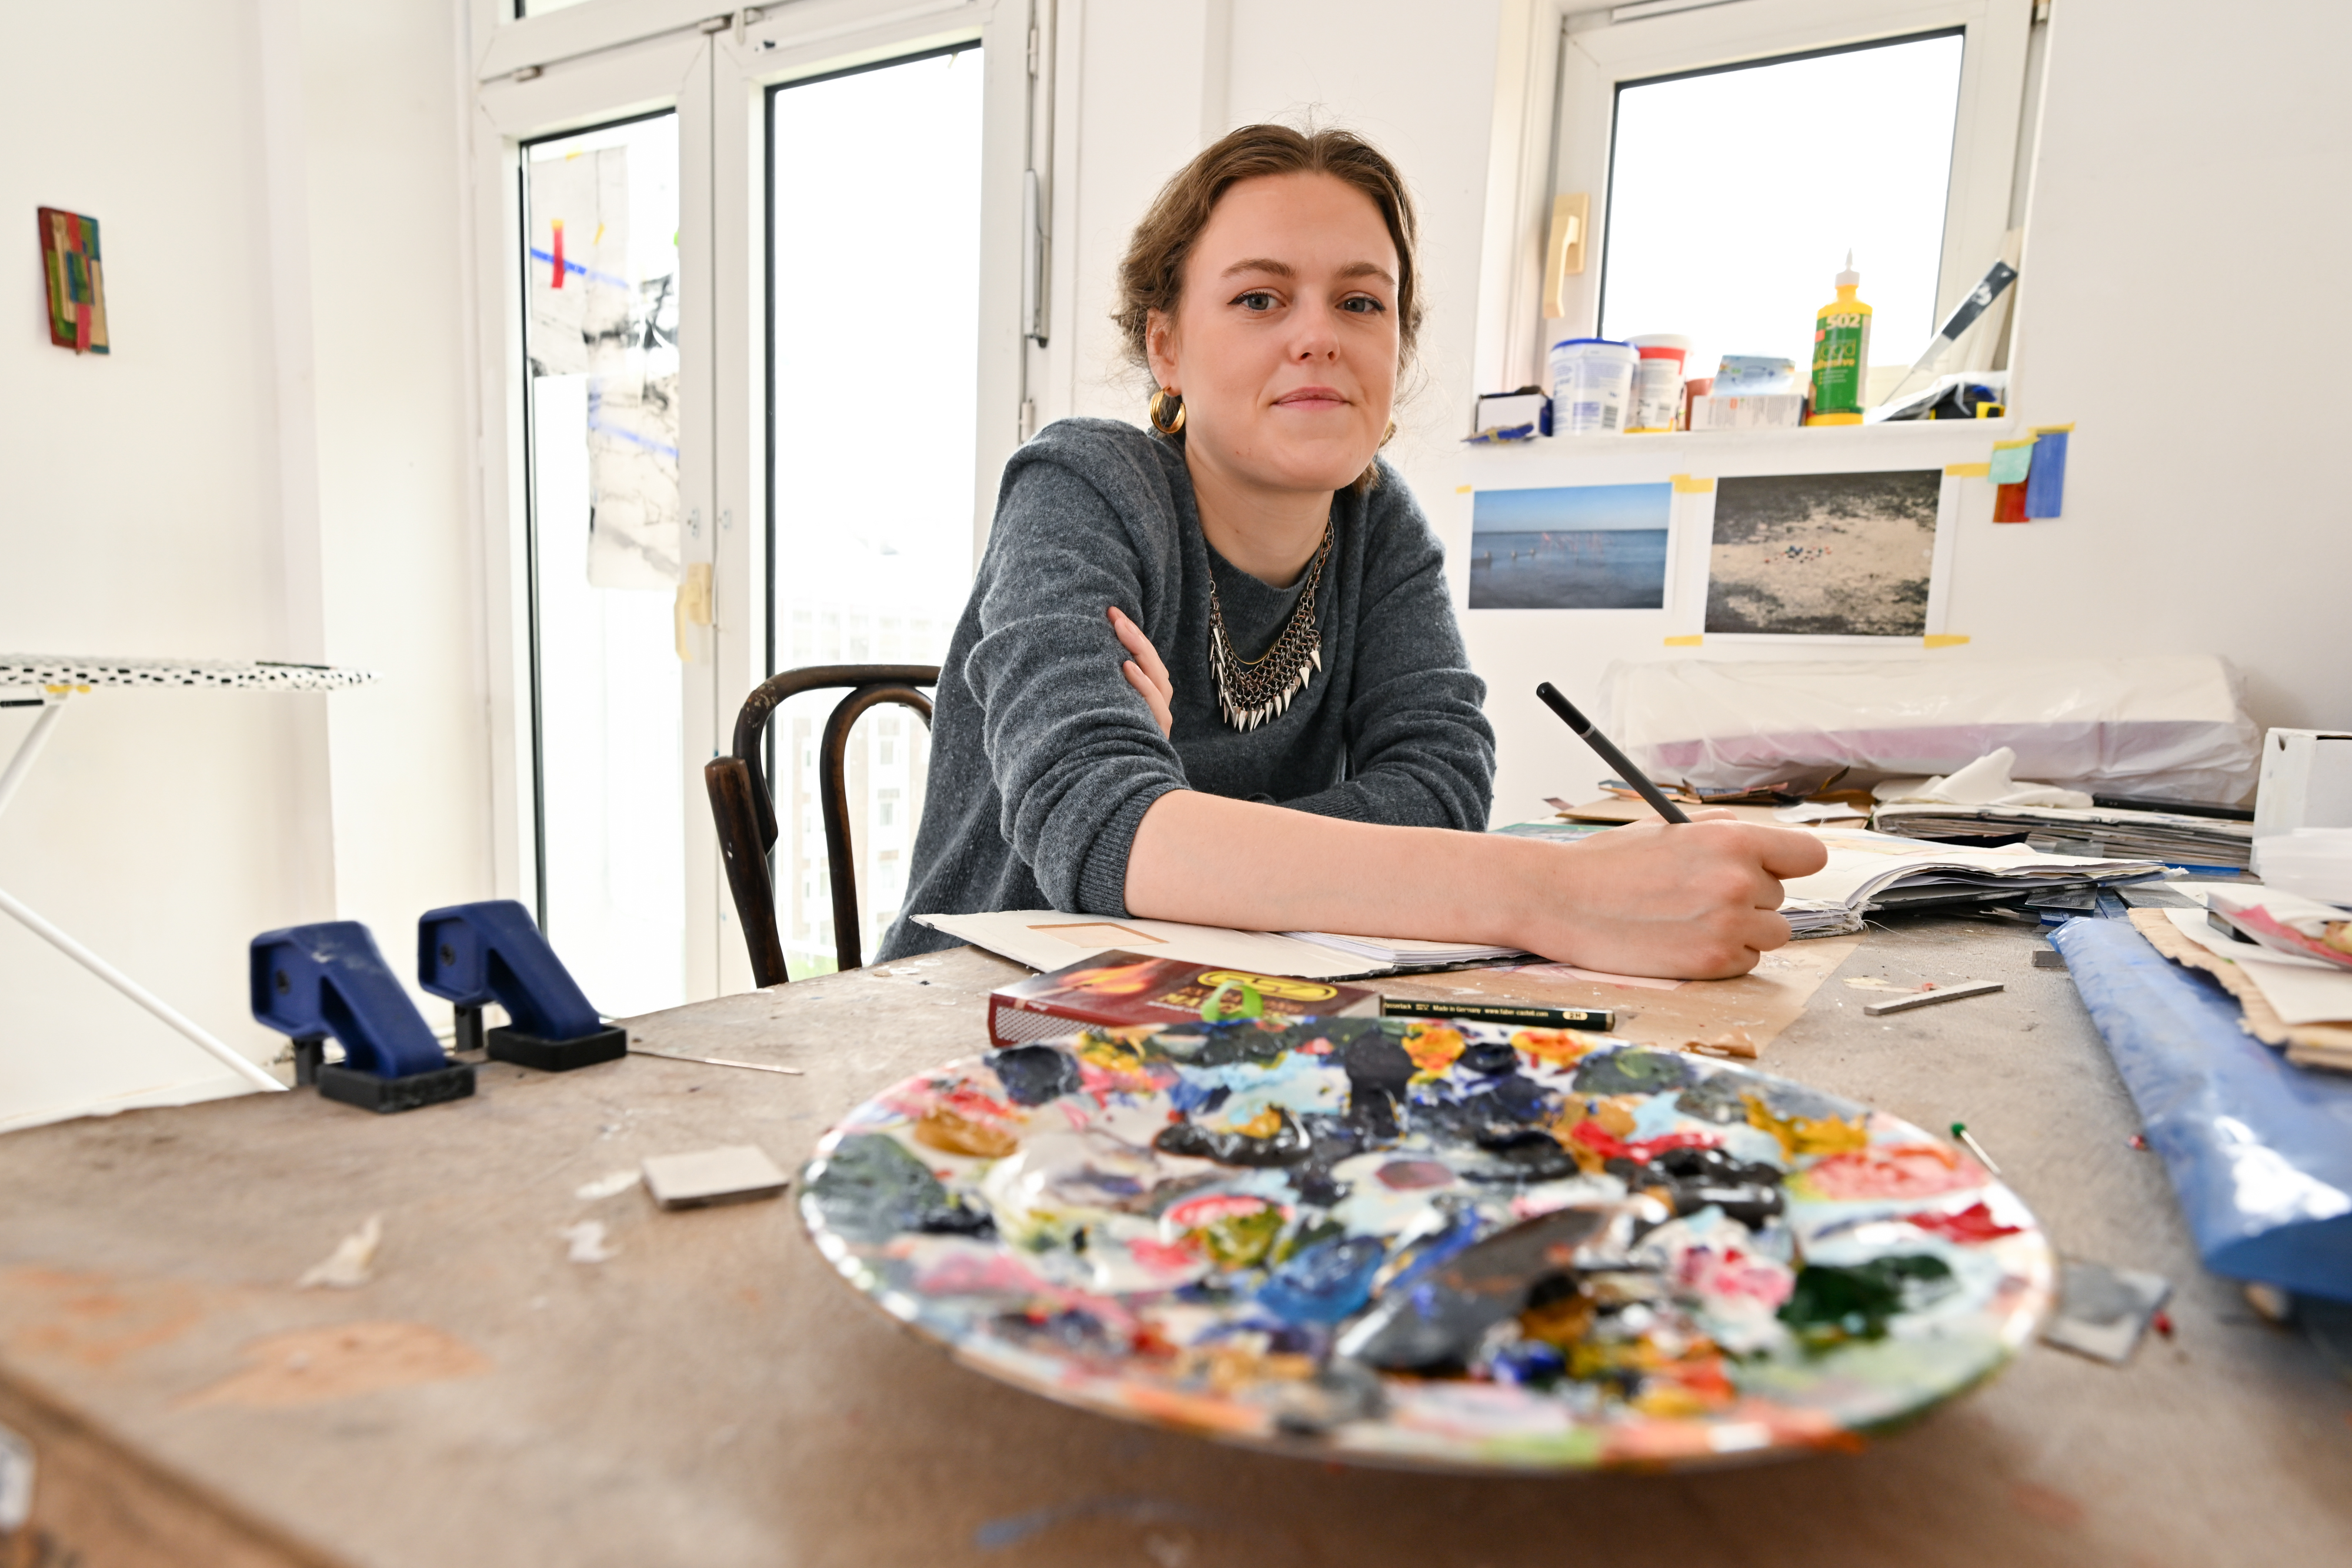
x=1592, y=386
x=1658, y=382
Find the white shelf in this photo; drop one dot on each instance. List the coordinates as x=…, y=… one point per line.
x=1922, y=443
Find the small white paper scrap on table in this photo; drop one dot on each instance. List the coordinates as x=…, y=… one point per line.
x=732, y=1174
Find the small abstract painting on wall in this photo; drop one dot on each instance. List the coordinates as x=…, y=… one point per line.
x=1823, y=554
x=1570, y=547
x=77, y=284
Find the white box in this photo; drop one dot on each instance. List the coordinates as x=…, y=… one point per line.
x=2306, y=781
x=1761, y=411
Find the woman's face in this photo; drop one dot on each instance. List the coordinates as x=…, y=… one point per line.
x=1285, y=339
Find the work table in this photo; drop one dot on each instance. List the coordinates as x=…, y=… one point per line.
x=707, y=1395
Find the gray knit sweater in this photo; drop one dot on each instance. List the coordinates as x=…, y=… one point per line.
x=1043, y=760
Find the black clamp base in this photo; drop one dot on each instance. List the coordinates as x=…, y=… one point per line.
x=512, y=1045
x=386, y=1095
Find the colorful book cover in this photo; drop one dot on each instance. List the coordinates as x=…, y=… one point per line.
x=1120, y=990
x=70, y=259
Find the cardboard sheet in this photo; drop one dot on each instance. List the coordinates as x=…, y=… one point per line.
x=1759, y=1006
x=2308, y=1045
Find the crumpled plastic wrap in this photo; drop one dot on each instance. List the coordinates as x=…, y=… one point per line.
x=2260, y=1151
x=2167, y=727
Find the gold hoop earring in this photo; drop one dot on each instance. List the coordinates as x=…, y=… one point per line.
x=1160, y=401
x=1390, y=434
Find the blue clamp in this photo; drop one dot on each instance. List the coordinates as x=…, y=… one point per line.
x=474, y=955
x=314, y=980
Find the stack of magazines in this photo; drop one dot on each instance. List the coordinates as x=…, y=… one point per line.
x=2176, y=838
x=1870, y=873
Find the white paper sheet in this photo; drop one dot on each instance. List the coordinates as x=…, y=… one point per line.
x=1047, y=939
x=2299, y=990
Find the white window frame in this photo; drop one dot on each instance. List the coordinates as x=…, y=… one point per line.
x=1565, y=102
x=607, y=59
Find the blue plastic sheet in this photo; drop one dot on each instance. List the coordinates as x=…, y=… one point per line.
x=2260, y=1152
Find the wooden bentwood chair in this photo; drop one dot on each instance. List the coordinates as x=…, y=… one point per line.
x=744, y=810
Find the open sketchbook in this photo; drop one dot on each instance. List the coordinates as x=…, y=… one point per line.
x=1867, y=871
x=1044, y=940
x=1870, y=871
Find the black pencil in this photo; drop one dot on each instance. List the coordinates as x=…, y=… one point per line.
x=1609, y=753
x=1522, y=1013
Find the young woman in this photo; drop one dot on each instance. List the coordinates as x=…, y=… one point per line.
x=1211, y=673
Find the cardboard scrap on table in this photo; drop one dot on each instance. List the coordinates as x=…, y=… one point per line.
x=1718, y=1017
x=2308, y=1045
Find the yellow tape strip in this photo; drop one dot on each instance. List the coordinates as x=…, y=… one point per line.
x=1462, y=490
x=1968, y=470
x=2012, y=446
x=1684, y=485
x=2053, y=429
x=1943, y=639
x=1683, y=642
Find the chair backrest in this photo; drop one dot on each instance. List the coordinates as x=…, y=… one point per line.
x=743, y=809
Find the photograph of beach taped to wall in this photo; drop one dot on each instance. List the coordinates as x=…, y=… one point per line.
x=1823, y=554
x=1570, y=547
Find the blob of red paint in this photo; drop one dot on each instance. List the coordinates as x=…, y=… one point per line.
x=1974, y=1222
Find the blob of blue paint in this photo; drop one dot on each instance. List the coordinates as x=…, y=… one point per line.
x=1032, y=1074
x=1188, y=1096
x=1324, y=1283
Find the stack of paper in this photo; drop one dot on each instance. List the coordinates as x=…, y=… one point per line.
x=2175, y=838
x=1872, y=871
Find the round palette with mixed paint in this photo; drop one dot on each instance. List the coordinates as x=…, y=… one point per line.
x=1431, y=1242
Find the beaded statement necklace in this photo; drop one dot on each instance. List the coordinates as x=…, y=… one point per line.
x=1250, y=691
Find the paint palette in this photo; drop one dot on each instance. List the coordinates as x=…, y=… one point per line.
x=1431, y=1244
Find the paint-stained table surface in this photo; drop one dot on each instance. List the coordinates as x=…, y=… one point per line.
x=709, y=1396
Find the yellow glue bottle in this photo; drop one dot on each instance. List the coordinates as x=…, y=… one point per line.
x=1840, y=353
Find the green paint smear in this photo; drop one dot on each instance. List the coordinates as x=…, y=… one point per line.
x=1238, y=1241
x=1832, y=1305
x=1632, y=1072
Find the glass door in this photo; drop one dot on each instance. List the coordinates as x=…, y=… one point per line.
x=606, y=538
x=750, y=337
x=874, y=339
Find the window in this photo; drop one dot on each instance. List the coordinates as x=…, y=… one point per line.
x=886, y=812
x=1729, y=155
x=1731, y=237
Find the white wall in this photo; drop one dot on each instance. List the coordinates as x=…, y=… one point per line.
x=2190, y=526
x=384, y=112
x=270, y=464
x=2200, y=509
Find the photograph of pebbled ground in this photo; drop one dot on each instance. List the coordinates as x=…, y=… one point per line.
x=1823, y=554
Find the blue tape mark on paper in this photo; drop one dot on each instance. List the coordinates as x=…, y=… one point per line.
x=2260, y=1152
x=573, y=269
x=2045, y=481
